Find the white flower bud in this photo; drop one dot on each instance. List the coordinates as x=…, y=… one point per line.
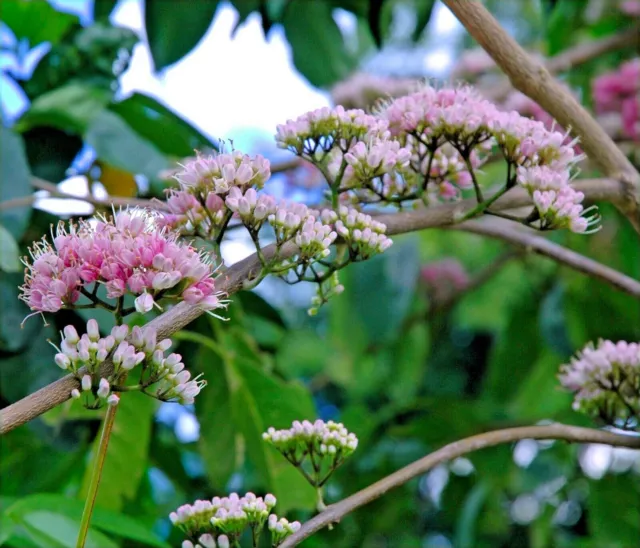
x=75, y=393
x=70, y=334
x=86, y=383
x=103, y=388
x=62, y=361
x=93, y=331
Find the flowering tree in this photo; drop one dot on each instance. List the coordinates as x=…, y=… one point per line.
x=122, y=286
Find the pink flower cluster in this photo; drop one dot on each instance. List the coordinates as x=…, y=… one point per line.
x=605, y=379
x=128, y=255
x=630, y=7
x=362, y=90
x=364, y=235
x=325, y=128
x=444, y=278
x=619, y=92
x=557, y=202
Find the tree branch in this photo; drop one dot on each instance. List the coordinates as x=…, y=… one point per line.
x=531, y=241
x=235, y=278
x=335, y=512
x=534, y=80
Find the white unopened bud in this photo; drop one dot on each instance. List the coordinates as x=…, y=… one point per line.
x=62, y=361
x=86, y=383
x=113, y=399
x=144, y=303
x=103, y=388
x=93, y=330
x=75, y=393
x=71, y=334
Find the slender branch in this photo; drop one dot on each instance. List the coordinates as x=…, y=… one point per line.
x=533, y=79
x=531, y=241
x=96, y=474
x=248, y=270
x=335, y=512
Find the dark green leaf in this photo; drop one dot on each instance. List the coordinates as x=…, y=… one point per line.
x=50, y=152
x=102, y=9
x=409, y=364
x=423, y=8
x=161, y=126
x=109, y=522
x=72, y=107
x=217, y=442
x=119, y=146
x=319, y=51
x=127, y=456
x=9, y=252
x=173, y=30
x=36, y=20
x=15, y=181
x=614, y=507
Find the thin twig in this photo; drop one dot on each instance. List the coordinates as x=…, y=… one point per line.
x=335, y=512
x=534, y=80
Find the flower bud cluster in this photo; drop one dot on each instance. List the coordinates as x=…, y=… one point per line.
x=219, y=173
x=142, y=348
x=558, y=204
x=281, y=528
x=228, y=517
x=325, y=128
x=605, y=380
x=366, y=160
x=252, y=208
x=326, y=444
x=364, y=235
x=618, y=92
x=128, y=254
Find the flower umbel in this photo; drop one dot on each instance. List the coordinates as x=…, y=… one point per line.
x=605, y=379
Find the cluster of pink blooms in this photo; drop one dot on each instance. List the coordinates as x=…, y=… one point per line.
x=228, y=517
x=320, y=130
x=329, y=440
x=362, y=90
x=172, y=382
x=128, y=255
x=605, y=380
x=619, y=92
x=558, y=204
x=444, y=278
x=630, y=7
x=205, y=181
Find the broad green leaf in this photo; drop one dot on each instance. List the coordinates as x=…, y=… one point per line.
x=423, y=10
x=15, y=181
x=516, y=350
x=614, y=507
x=217, y=442
x=127, y=454
x=54, y=529
x=50, y=152
x=174, y=29
x=103, y=8
x=72, y=107
x=118, y=145
x=161, y=126
x=562, y=24
x=302, y=353
x=9, y=252
x=36, y=20
x=409, y=363
x=466, y=526
x=110, y=522
x=317, y=44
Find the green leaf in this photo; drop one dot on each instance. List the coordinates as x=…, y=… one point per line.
x=36, y=21
x=410, y=361
x=127, y=454
x=56, y=530
x=217, y=442
x=614, y=507
x=110, y=522
x=319, y=51
x=423, y=10
x=173, y=30
x=302, y=353
x=72, y=107
x=15, y=181
x=102, y=9
x=161, y=126
x=563, y=22
x=119, y=146
x=9, y=252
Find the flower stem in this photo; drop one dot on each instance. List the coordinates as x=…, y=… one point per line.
x=483, y=206
x=96, y=474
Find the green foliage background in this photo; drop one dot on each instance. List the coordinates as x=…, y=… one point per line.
x=404, y=377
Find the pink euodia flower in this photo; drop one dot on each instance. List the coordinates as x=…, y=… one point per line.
x=128, y=254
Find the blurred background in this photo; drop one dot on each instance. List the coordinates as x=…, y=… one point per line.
x=445, y=335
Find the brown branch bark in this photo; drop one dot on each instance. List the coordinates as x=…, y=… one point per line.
x=234, y=278
x=533, y=242
x=534, y=80
x=335, y=512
